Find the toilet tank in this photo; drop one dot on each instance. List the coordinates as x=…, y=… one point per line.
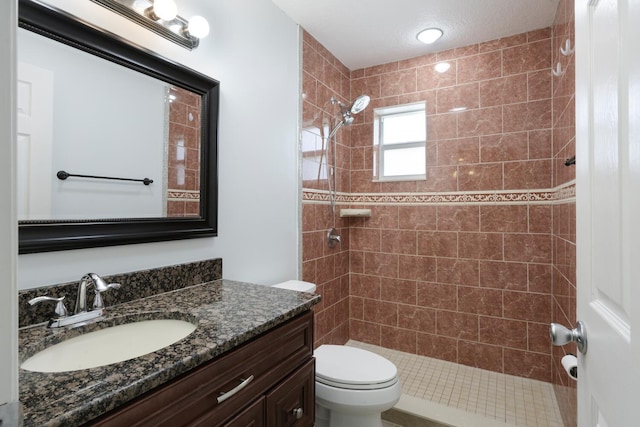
x=297, y=285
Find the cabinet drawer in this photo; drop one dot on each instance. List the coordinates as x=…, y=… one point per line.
x=292, y=403
x=258, y=365
x=253, y=416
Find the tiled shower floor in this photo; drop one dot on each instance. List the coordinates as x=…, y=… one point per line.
x=460, y=395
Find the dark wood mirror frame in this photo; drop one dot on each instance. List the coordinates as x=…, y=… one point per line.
x=44, y=236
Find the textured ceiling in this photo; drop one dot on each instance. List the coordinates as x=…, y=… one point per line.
x=362, y=33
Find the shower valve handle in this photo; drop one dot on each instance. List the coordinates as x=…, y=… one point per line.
x=333, y=238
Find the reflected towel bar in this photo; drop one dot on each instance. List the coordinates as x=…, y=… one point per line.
x=62, y=175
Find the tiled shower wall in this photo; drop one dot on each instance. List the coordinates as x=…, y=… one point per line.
x=462, y=276
x=462, y=279
x=564, y=214
x=323, y=77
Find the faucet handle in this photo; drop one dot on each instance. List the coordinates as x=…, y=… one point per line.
x=61, y=310
x=98, y=303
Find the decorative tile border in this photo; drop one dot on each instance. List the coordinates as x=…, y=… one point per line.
x=565, y=192
x=183, y=195
x=562, y=193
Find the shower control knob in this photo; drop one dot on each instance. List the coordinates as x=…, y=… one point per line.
x=561, y=335
x=333, y=238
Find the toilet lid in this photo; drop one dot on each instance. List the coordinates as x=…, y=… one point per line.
x=297, y=285
x=353, y=368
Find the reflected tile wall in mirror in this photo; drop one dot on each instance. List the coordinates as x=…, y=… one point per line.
x=183, y=189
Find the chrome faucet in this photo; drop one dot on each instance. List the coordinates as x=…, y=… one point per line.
x=99, y=286
x=80, y=313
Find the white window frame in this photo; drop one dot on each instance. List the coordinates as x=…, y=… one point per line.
x=379, y=147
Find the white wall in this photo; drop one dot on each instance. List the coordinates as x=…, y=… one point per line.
x=8, y=232
x=253, y=51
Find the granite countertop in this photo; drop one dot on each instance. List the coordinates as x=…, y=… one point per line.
x=227, y=314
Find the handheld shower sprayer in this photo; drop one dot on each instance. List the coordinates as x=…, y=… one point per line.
x=347, y=112
x=359, y=104
x=345, y=117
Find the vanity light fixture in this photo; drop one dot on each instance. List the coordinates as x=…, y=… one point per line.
x=198, y=27
x=161, y=17
x=166, y=10
x=429, y=35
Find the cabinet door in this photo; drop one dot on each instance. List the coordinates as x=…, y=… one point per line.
x=292, y=402
x=253, y=416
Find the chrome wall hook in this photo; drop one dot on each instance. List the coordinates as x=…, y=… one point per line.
x=558, y=71
x=567, y=50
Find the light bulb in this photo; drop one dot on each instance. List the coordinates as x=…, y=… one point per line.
x=166, y=10
x=429, y=35
x=198, y=27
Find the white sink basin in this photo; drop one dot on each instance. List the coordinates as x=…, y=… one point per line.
x=110, y=345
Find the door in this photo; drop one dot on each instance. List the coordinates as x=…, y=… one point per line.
x=608, y=210
x=34, y=143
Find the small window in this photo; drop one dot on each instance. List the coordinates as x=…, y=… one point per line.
x=399, y=138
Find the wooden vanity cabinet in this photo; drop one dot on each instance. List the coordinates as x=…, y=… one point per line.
x=292, y=402
x=276, y=370
x=252, y=416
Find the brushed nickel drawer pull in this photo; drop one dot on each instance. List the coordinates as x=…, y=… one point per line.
x=225, y=395
x=298, y=413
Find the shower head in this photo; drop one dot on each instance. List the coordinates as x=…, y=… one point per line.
x=359, y=104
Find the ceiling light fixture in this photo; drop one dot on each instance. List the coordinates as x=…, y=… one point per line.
x=429, y=35
x=161, y=17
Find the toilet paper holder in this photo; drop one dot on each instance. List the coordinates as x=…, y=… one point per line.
x=570, y=365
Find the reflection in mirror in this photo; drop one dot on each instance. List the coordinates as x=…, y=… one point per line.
x=153, y=135
x=183, y=194
x=109, y=115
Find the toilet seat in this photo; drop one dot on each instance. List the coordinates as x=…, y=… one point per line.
x=353, y=368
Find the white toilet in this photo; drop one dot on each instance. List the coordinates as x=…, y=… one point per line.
x=353, y=386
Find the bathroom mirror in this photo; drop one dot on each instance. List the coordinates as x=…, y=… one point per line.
x=116, y=145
